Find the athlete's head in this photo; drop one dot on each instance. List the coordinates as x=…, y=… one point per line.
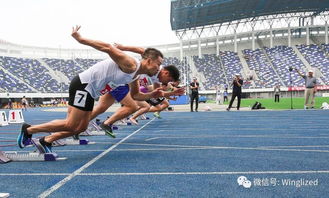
x=152, y=59
x=168, y=73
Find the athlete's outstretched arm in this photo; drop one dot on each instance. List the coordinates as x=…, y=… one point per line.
x=156, y=93
x=137, y=95
x=175, y=92
x=126, y=63
x=137, y=50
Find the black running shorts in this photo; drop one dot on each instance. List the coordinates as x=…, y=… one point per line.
x=155, y=101
x=79, y=97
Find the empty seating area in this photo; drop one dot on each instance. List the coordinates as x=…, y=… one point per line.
x=86, y=63
x=68, y=67
x=270, y=64
x=182, y=66
x=10, y=84
x=31, y=72
x=316, y=58
x=257, y=61
x=210, y=66
x=283, y=57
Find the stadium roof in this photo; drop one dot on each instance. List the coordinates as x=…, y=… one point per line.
x=186, y=14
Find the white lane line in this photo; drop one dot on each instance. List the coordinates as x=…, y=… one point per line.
x=34, y=174
x=189, y=147
x=209, y=173
x=91, y=150
x=208, y=148
x=173, y=173
x=299, y=146
x=78, y=171
x=149, y=139
x=224, y=148
x=241, y=136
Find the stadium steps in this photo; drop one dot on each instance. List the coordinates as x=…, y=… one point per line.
x=271, y=64
x=222, y=68
x=57, y=75
x=195, y=73
x=301, y=57
x=307, y=65
x=246, y=70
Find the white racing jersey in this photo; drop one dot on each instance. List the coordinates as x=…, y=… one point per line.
x=105, y=76
x=145, y=80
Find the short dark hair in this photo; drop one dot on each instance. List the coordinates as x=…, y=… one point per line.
x=152, y=53
x=173, y=71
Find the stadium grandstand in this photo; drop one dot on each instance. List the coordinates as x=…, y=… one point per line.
x=259, y=39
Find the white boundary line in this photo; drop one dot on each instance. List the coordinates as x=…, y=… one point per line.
x=172, y=173
x=160, y=147
x=34, y=174
x=240, y=136
x=208, y=173
x=190, y=147
x=78, y=171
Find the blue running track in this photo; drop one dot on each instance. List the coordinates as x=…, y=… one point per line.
x=184, y=154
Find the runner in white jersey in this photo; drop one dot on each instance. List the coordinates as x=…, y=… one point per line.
x=106, y=76
x=164, y=76
x=89, y=85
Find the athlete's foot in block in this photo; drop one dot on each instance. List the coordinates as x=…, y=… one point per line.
x=157, y=115
x=133, y=121
x=107, y=129
x=24, y=138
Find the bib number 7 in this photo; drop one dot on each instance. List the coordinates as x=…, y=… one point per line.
x=80, y=98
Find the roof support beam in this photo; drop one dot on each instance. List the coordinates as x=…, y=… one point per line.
x=289, y=35
x=326, y=32
x=307, y=34
x=271, y=36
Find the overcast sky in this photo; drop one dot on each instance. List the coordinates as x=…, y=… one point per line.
x=48, y=23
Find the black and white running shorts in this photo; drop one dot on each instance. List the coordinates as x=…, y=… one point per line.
x=79, y=97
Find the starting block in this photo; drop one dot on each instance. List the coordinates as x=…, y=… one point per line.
x=122, y=123
x=144, y=117
x=95, y=130
x=71, y=142
x=14, y=156
x=37, y=156
x=15, y=116
x=89, y=132
x=3, y=119
x=95, y=125
x=4, y=195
